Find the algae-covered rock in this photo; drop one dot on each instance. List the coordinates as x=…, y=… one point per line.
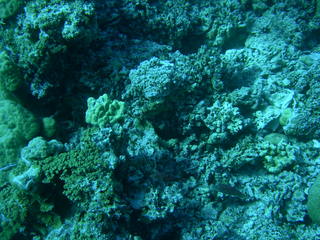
x=275, y=138
x=267, y=118
x=285, y=116
x=17, y=126
x=223, y=120
x=38, y=148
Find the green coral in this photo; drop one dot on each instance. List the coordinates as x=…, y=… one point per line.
x=27, y=174
x=10, y=76
x=77, y=167
x=277, y=152
x=104, y=111
x=39, y=37
x=22, y=202
x=38, y=148
x=85, y=178
x=17, y=126
x=9, y=7
x=17, y=119
x=25, y=211
x=313, y=204
x=13, y=212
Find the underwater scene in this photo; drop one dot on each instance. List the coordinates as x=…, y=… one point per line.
x=159, y=120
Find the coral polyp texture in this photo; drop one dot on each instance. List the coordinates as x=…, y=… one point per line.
x=103, y=111
x=152, y=120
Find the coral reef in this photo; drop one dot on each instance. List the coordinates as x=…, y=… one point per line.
x=10, y=76
x=151, y=120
